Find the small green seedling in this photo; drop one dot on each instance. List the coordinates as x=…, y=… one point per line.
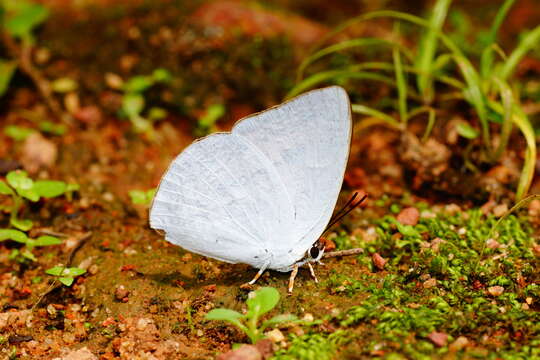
x=24, y=254
x=19, y=186
x=66, y=275
x=259, y=303
x=18, y=19
x=142, y=197
x=206, y=123
x=18, y=133
x=133, y=101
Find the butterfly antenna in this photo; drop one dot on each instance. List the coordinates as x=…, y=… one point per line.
x=344, y=211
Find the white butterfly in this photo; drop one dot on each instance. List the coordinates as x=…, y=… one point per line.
x=263, y=193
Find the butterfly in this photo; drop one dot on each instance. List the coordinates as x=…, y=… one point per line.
x=263, y=193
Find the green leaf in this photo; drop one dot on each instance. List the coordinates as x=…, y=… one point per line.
x=262, y=301
x=5, y=189
x=23, y=225
x=23, y=16
x=279, y=319
x=64, y=85
x=29, y=194
x=15, y=235
x=18, y=179
x=7, y=69
x=132, y=104
x=28, y=255
x=138, y=84
x=63, y=271
x=467, y=131
x=213, y=113
x=49, y=188
x=223, y=314
x=66, y=280
x=47, y=240
x=75, y=271
x=161, y=75
x=72, y=187
x=55, y=271
x=18, y=133
x=142, y=197
x=51, y=128
x=157, y=113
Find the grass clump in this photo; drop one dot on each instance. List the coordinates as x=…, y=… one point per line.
x=313, y=346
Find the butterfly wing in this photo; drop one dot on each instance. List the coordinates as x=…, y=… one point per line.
x=307, y=141
x=222, y=198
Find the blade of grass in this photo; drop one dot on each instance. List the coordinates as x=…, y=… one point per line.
x=508, y=105
x=365, y=110
x=486, y=60
x=401, y=83
x=530, y=41
x=522, y=122
x=431, y=122
x=323, y=76
x=345, y=45
x=428, y=47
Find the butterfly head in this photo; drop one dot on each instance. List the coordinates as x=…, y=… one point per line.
x=316, y=252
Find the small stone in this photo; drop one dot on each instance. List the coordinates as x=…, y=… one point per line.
x=458, y=344
x=93, y=269
x=80, y=354
x=534, y=208
x=121, y=292
x=72, y=102
x=378, y=261
x=200, y=333
x=500, y=210
x=265, y=347
x=142, y=323
x=51, y=310
x=438, y=338
x=409, y=216
x=308, y=317
x=495, y=290
x=275, y=335
x=452, y=209
x=38, y=152
x=244, y=352
x=114, y=81
x=429, y=283
x=493, y=244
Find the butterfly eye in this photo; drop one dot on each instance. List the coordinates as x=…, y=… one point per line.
x=314, y=252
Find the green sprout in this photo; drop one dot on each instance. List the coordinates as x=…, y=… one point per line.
x=259, y=303
x=142, y=197
x=66, y=275
x=18, y=18
x=206, y=123
x=18, y=133
x=24, y=254
x=20, y=187
x=134, y=103
x=487, y=87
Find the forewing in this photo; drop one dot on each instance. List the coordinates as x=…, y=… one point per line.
x=307, y=140
x=221, y=197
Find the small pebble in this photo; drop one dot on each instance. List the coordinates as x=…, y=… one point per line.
x=378, y=261
x=121, y=292
x=142, y=323
x=429, y=283
x=458, y=344
x=438, y=338
x=51, y=310
x=500, y=210
x=275, y=335
x=495, y=290
x=409, y=216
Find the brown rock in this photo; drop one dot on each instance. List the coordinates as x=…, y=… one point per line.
x=80, y=354
x=121, y=292
x=409, y=216
x=266, y=348
x=495, y=290
x=430, y=283
x=244, y=352
x=438, y=338
x=38, y=152
x=378, y=261
x=458, y=344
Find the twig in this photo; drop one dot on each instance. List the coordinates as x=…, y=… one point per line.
x=55, y=284
x=343, y=252
x=23, y=54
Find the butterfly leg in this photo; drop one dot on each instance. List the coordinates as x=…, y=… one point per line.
x=291, y=279
x=312, y=272
x=258, y=275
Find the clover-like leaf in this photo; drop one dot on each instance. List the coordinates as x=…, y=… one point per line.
x=15, y=235
x=49, y=188
x=46, y=240
x=262, y=301
x=29, y=194
x=18, y=179
x=23, y=16
x=5, y=189
x=132, y=104
x=66, y=280
x=20, y=224
x=138, y=84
